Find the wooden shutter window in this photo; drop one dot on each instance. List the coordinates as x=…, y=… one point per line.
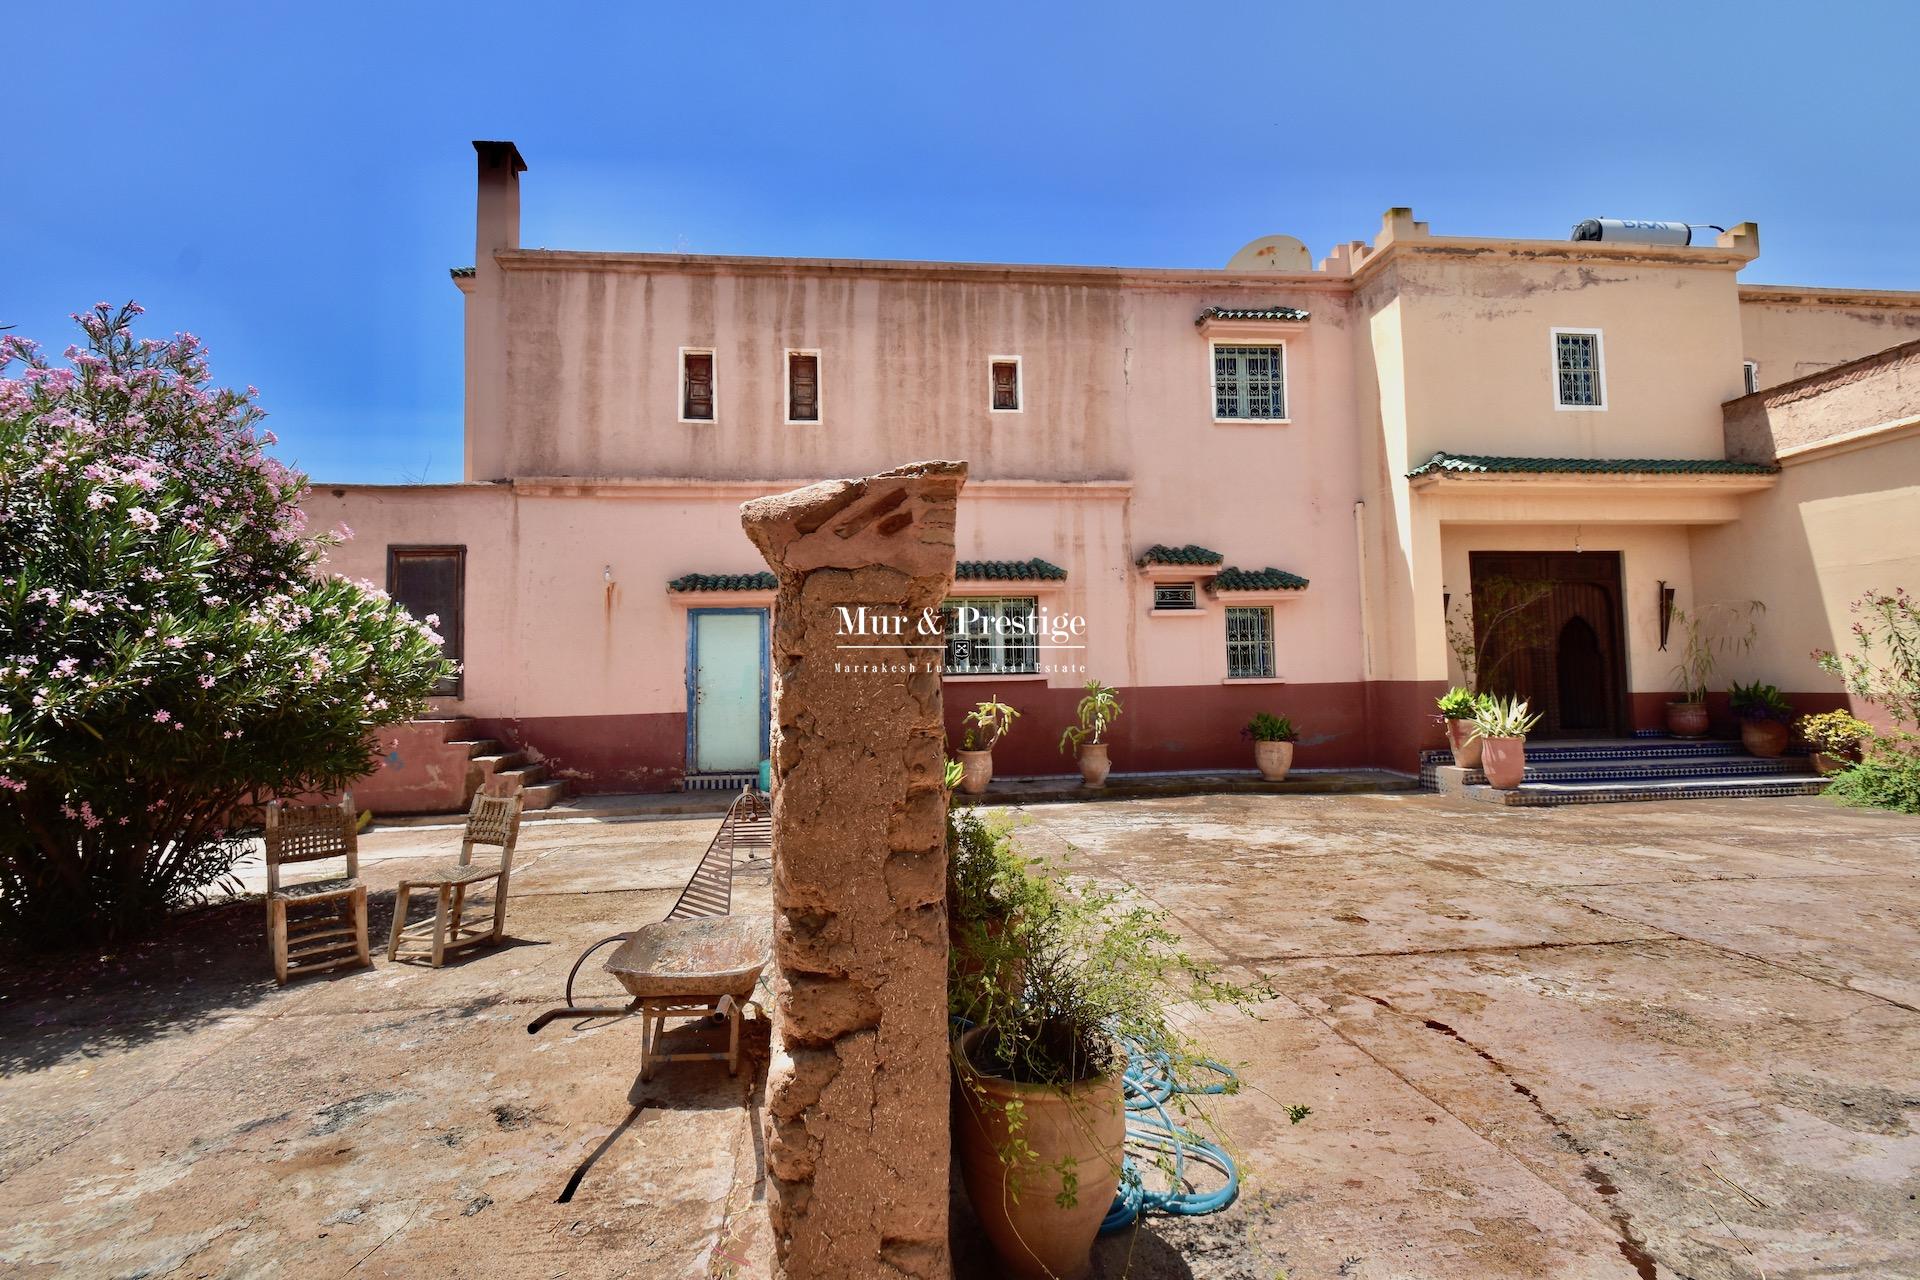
x=803, y=387
x=1006, y=384
x=697, y=379
x=433, y=581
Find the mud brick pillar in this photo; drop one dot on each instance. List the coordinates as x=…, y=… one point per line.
x=857, y=1094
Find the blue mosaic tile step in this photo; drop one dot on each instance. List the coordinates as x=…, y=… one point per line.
x=1539, y=794
x=1656, y=770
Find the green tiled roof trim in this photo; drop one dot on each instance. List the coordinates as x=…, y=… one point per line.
x=1490, y=464
x=1267, y=579
x=461, y=273
x=1251, y=313
x=1032, y=570
x=762, y=581
x=1189, y=554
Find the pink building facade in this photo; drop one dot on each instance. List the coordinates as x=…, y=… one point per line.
x=1267, y=487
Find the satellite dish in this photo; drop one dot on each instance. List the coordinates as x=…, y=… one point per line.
x=1272, y=253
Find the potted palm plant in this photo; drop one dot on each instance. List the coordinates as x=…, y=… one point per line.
x=1837, y=738
x=1502, y=726
x=1098, y=709
x=1273, y=738
x=986, y=725
x=1078, y=978
x=1706, y=633
x=1457, y=708
x=1764, y=714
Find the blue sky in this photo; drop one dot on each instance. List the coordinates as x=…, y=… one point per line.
x=292, y=184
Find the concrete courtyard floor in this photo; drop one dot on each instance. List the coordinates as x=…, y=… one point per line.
x=1639, y=1040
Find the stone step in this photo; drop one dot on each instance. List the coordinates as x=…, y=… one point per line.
x=494, y=764
x=1558, y=793
x=525, y=775
x=476, y=746
x=542, y=795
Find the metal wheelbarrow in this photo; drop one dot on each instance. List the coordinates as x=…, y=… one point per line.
x=698, y=968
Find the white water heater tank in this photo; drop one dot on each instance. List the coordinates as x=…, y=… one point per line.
x=1637, y=231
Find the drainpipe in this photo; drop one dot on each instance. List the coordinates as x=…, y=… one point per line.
x=1366, y=622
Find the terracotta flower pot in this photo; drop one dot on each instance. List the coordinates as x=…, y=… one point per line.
x=1464, y=745
x=1687, y=719
x=1827, y=765
x=1505, y=762
x=1086, y=1122
x=1094, y=764
x=1273, y=759
x=1764, y=738
x=976, y=771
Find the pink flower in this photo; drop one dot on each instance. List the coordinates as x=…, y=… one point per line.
x=161, y=717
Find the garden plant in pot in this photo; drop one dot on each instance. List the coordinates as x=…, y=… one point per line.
x=1074, y=978
x=1706, y=633
x=1098, y=709
x=986, y=725
x=1273, y=738
x=1836, y=737
x=1765, y=716
x=1502, y=726
x=1458, y=708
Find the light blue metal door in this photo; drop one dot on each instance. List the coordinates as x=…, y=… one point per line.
x=726, y=689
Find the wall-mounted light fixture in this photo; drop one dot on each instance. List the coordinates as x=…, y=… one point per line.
x=1666, y=611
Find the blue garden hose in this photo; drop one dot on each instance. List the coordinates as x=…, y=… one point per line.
x=1149, y=1085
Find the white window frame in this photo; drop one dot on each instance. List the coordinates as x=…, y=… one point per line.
x=680, y=382
x=786, y=386
x=998, y=642
x=1749, y=376
x=1286, y=381
x=1019, y=384
x=1273, y=642
x=1599, y=367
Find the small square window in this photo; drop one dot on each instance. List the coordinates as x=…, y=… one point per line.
x=696, y=386
x=1250, y=642
x=803, y=386
x=1750, y=373
x=1175, y=595
x=1579, y=381
x=1006, y=386
x=1250, y=383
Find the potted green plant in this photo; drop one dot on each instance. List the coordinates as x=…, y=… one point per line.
x=1502, y=725
x=1099, y=708
x=986, y=725
x=1765, y=716
x=1457, y=708
x=1706, y=633
x=1837, y=739
x=1273, y=738
x=1039, y=1115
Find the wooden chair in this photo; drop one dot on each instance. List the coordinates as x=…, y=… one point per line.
x=493, y=820
x=337, y=933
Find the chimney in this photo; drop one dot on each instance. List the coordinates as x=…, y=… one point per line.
x=497, y=208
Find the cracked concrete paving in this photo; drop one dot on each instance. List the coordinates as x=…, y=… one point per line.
x=1653, y=1040
x=1673, y=1040
x=167, y=1111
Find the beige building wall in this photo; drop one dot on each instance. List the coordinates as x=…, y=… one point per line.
x=1792, y=332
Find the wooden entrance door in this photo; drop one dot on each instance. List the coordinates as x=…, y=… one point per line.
x=1548, y=628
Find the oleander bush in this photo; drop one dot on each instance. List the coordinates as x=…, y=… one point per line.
x=170, y=649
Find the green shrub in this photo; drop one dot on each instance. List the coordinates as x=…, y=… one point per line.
x=1267, y=727
x=170, y=649
x=1888, y=777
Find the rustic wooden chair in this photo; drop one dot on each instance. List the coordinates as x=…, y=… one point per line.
x=493, y=820
x=337, y=933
